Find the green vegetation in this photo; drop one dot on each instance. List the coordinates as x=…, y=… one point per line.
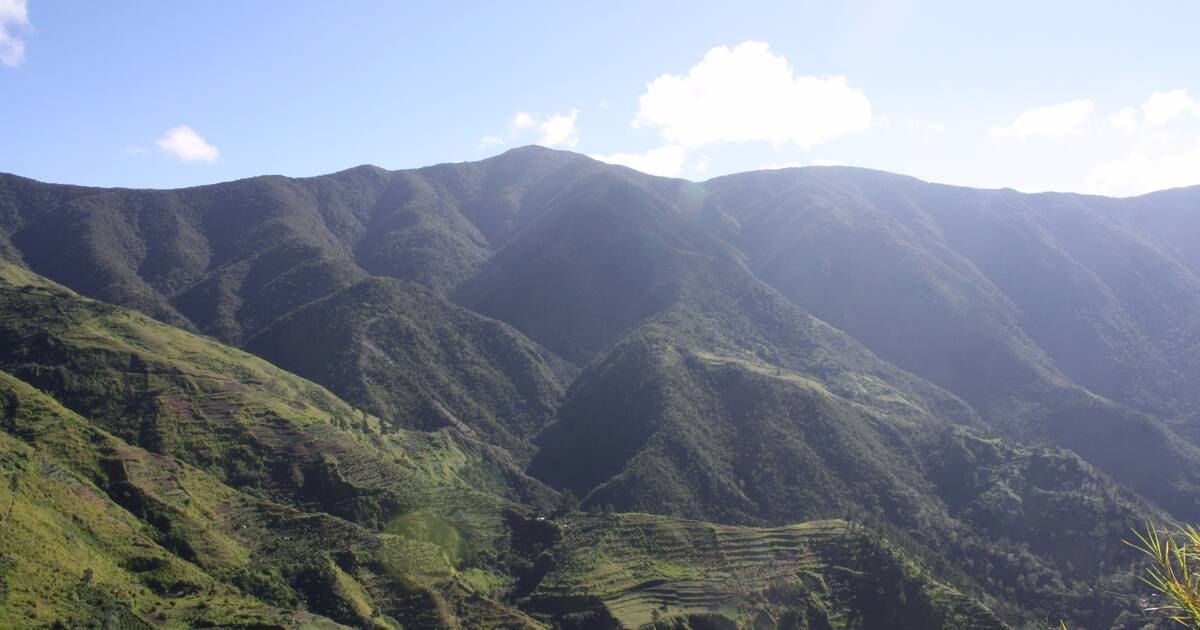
x=849, y=400
x=1172, y=570
x=640, y=569
x=429, y=527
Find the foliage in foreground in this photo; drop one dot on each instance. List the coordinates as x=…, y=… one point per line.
x=1173, y=571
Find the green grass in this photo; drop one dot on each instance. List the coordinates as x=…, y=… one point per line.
x=427, y=527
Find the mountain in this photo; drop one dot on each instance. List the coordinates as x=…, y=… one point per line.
x=206, y=488
x=996, y=384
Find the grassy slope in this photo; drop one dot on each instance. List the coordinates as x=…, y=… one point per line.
x=251, y=473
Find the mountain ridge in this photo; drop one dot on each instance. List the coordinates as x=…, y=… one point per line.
x=963, y=369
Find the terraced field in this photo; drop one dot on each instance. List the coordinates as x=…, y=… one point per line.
x=638, y=569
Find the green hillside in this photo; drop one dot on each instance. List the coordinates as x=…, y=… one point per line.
x=997, y=384
x=638, y=569
x=159, y=479
x=243, y=472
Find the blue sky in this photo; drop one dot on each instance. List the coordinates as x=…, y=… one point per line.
x=1079, y=96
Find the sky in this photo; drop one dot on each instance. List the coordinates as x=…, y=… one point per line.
x=1095, y=97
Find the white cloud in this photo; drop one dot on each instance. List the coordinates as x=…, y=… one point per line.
x=665, y=161
x=916, y=124
x=1124, y=121
x=747, y=94
x=488, y=142
x=13, y=13
x=556, y=130
x=1143, y=172
x=522, y=120
x=798, y=164
x=1055, y=120
x=559, y=130
x=1163, y=107
x=1158, y=147
x=187, y=145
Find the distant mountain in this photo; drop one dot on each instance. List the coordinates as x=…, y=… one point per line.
x=998, y=383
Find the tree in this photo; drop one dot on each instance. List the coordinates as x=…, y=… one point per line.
x=567, y=503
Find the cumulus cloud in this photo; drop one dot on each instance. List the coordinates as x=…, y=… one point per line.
x=1163, y=107
x=559, y=130
x=184, y=143
x=666, y=161
x=746, y=93
x=1143, y=172
x=1055, y=120
x=13, y=14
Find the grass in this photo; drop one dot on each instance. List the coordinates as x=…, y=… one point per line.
x=427, y=527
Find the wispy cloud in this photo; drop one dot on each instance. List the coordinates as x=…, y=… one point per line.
x=557, y=130
x=488, y=142
x=1146, y=171
x=921, y=125
x=1054, y=120
x=1161, y=146
x=184, y=143
x=14, y=14
x=797, y=164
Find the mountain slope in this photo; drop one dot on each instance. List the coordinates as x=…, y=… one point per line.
x=249, y=471
x=205, y=487
x=756, y=349
x=825, y=574
x=986, y=293
x=406, y=355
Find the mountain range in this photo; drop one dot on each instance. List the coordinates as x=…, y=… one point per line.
x=541, y=390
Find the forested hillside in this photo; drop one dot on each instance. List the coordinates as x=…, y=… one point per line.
x=770, y=395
